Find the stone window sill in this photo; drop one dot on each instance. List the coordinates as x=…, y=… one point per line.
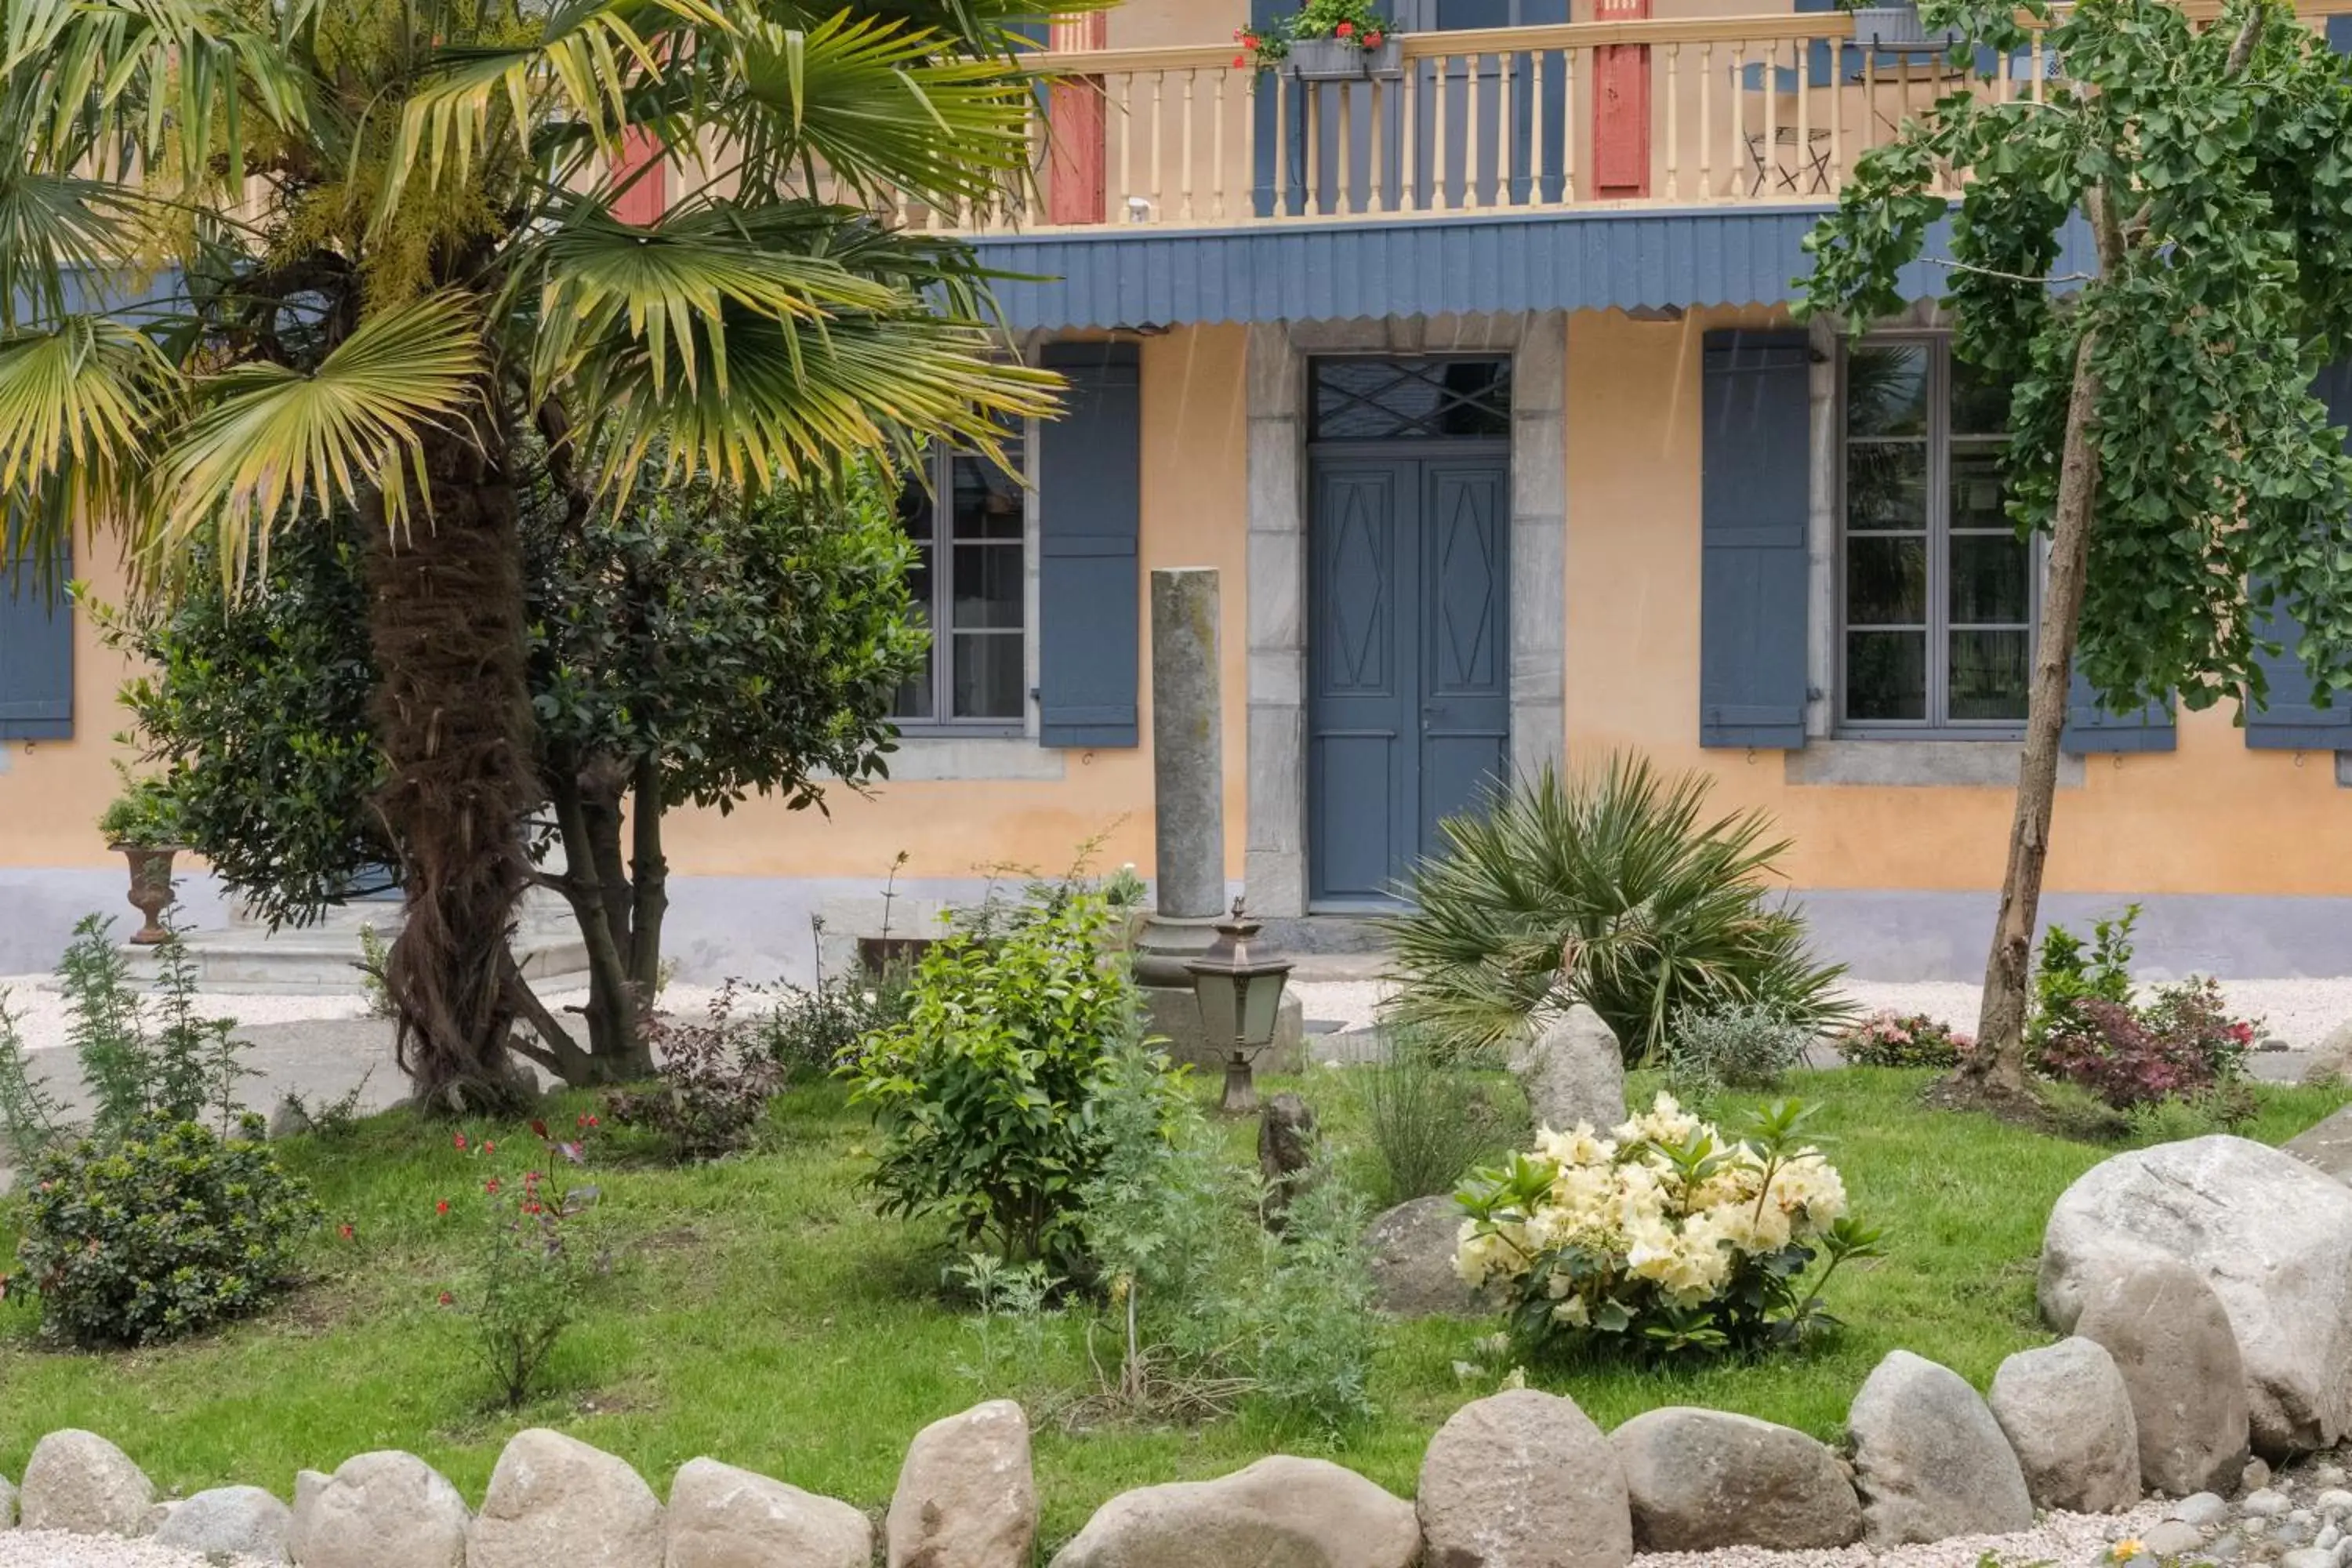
x=937, y=758
x=1915, y=764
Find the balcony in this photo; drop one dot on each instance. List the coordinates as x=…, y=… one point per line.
x=1727, y=113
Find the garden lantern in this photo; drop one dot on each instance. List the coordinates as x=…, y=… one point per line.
x=1239, y=986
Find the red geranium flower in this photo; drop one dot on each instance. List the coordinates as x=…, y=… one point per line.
x=458, y=1139
x=344, y=1231
x=1372, y=40
x=448, y=1300
x=491, y=1186
x=488, y=1147
x=441, y=1207
x=1241, y=62
x=1344, y=30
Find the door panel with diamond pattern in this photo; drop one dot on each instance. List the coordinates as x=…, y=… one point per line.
x=1408, y=660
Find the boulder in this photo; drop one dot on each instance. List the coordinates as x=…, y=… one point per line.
x=555, y=1502
x=1929, y=1459
x=1280, y=1512
x=386, y=1509
x=2331, y=1060
x=81, y=1484
x=1574, y=1071
x=7, y=1504
x=2068, y=1414
x=1701, y=1480
x=1410, y=1253
x=2171, y=1341
x=2327, y=1146
x=1524, y=1480
x=290, y=1120
x=2267, y=1232
x=721, y=1517
x=236, y=1522
x=966, y=1495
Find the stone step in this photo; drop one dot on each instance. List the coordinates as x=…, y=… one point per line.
x=324, y=960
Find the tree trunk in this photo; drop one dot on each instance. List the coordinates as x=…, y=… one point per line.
x=1999, y=1065
x=446, y=611
x=649, y=872
x=616, y=1047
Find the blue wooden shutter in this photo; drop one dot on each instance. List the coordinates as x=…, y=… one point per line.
x=1755, y=496
x=2293, y=719
x=1090, y=510
x=2091, y=728
x=35, y=655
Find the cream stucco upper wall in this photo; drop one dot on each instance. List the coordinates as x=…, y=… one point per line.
x=2212, y=817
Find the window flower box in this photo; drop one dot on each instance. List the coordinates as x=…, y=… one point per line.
x=1343, y=60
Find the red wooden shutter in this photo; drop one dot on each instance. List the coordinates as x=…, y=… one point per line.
x=1621, y=107
x=1076, y=126
x=644, y=202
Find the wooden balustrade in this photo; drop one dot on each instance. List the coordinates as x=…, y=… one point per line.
x=1734, y=110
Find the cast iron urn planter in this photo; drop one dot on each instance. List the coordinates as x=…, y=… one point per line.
x=151, y=889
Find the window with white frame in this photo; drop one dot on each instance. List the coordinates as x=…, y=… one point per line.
x=1937, y=593
x=967, y=519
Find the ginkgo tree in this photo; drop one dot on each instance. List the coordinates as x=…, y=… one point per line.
x=2155, y=251
x=264, y=259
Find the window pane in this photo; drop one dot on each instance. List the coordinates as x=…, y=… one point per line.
x=1887, y=390
x=988, y=502
x=1886, y=582
x=988, y=675
x=1394, y=400
x=1977, y=494
x=1885, y=675
x=1988, y=674
x=1886, y=485
x=1980, y=402
x=987, y=587
x=1991, y=580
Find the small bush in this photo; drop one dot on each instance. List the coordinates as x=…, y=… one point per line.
x=167, y=1231
x=811, y=1033
x=31, y=1119
x=983, y=1096
x=140, y=1060
x=1890, y=1040
x=1613, y=888
x=1309, y=1328
x=2087, y=1030
x=1429, y=1122
x=2072, y=973
x=1660, y=1238
x=531, y=1269
x=713, y=1088
x=1742, y=1045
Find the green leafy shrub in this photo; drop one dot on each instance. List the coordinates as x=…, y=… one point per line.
x=1890, y=1040
x=1611, y=887
x=984, y=1097
x=809, y=1033
x=2072, y=973
x=1662, y=1238
x=532, y=1266
x=713, y=1087
x=1738, y=1044
x=144, y=816
x=31, y=1119
x=2088, y=1030
x=1428, y=1120
x=1212, y=1305
x=166, y=1231
x=140, y=1059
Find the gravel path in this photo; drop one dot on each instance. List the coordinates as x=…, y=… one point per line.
x=2059, y=1540
x=49, y=1549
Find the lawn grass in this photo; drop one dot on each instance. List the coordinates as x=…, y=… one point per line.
x=757, y=1310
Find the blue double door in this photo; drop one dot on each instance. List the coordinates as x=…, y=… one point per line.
x=1408, y=657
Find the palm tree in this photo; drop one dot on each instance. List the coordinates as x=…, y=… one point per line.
x=260, y=258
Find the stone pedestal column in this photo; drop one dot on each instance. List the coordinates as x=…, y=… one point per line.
x=1188, y=776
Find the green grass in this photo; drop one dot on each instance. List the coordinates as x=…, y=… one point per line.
x=758, y=1311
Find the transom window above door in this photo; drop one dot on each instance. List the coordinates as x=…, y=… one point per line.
x=1938, y=596
x=1437, y=398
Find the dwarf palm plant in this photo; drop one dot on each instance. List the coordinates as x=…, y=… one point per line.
x=263, y=259
x=1611, y=887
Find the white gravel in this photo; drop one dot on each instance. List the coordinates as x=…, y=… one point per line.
x=2299, y=1013
x=2061, y=1540
x=49, y=1549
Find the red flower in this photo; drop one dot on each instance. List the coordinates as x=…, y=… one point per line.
x=448, y=1300
x=491, y=1186
x=1249, y=40
x=344, y=1231
x=441, y=1207
x=1241, y=62
x=1372, y=40
x=533, y=1208
x=1344, y=30
x=488, y=1147
x=458, y=1139
x=538, y=1127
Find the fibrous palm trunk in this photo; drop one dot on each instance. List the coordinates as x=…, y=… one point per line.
x=453, y=714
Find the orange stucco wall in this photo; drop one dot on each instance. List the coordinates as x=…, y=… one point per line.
x=2212, y=817
x=52, y=791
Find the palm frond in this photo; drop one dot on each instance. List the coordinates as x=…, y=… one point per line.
x=885, y=109
x=266, y=440
x=80, y=405
x=580, y=67
x=1612, y=888
x=52, y=226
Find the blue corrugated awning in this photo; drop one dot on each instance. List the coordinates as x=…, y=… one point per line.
x=1338, y=270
